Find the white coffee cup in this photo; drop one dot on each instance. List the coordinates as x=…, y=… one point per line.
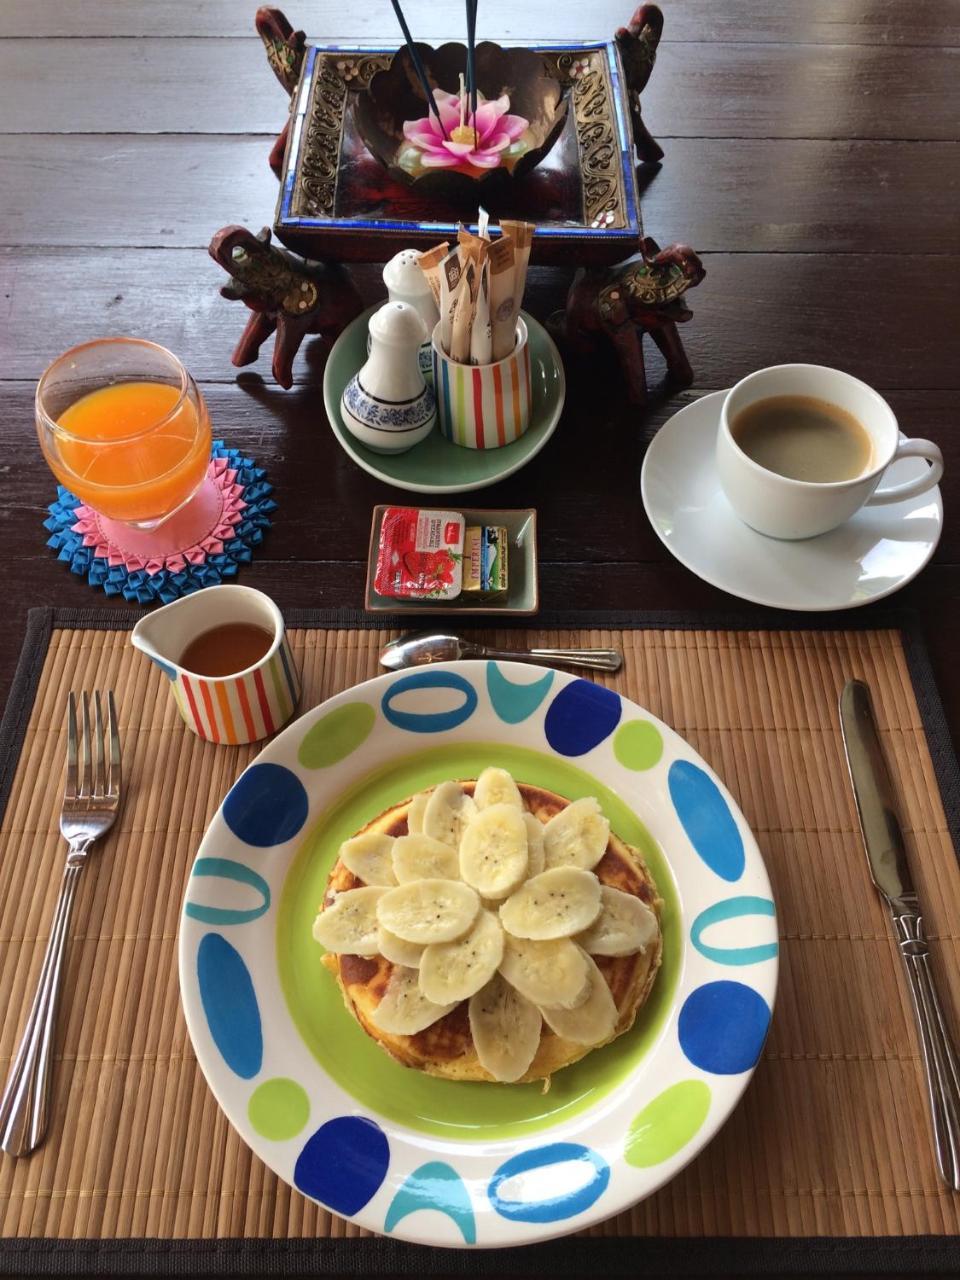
x=784, y=508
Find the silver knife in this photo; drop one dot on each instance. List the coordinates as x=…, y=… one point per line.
x=887, y=855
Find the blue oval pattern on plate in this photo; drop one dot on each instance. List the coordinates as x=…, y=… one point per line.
x=429, y=721
x=550, y=1208
x=707, y=820
x=227, y=869
x=512, y=702
x=230, y=1005
x=343, y=1164
x=434, y=1185
x=732, y=909
x=722, y=1027
x=266, y=806
x=581, y=716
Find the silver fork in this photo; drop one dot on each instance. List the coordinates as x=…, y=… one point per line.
x=91, y=802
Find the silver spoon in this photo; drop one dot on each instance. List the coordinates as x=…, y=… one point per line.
x=413, y=650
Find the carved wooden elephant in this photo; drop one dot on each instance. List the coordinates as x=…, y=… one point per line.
x=284, y=294
x=622, y=303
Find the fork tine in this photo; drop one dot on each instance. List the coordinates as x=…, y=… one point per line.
x=113, y=776
x=70, y=789
x=86, y=777
x=99, y=775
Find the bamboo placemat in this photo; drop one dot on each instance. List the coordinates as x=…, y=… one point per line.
x=828, y=1159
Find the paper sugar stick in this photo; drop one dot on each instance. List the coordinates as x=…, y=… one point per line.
x=522, y=235
x=474, y=247
x=429, y=263
x=463, y=315
x=481, y=335
x=502, y=310
x=483, y=224
x=451, y=277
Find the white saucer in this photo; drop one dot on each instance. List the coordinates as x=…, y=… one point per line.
x=876, y=553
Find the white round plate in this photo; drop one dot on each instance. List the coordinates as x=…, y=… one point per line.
x=876, y=553
x=472, y=1164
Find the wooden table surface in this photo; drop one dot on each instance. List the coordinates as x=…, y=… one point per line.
x=812, y=158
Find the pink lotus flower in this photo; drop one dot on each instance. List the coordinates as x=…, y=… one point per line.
x=481, y=142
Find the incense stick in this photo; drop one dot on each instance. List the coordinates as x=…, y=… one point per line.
x=472, y=57
x=418, y=66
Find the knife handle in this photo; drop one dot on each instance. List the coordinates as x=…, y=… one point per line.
x=939, y=1054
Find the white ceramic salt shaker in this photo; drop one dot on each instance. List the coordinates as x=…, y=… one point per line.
x=387, y=405
x=406, y=283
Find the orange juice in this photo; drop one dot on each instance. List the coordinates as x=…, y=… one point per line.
x=133, y=452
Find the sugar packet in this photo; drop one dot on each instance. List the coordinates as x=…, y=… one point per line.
x=503, y=308
x=481, y=333
x=462, y=322
x=451, y=280
x=429, y=263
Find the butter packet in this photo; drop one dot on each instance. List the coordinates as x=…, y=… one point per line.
x=485, y=559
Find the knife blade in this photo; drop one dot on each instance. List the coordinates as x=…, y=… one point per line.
x=890, y=870
x=873, y=792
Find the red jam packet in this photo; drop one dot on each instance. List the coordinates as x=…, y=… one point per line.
x=420, y=555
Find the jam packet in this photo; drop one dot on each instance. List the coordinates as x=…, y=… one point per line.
x=420, y=554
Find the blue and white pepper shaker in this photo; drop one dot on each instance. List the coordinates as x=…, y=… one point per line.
x=387, y=405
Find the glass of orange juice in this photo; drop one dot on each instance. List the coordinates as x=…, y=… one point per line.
x=123, y=425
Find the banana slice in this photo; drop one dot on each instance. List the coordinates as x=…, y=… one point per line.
x=370, y=858
x=421, y=857
x=349, y=924
x=591, y=1022
x=555, y=904
x=505, y=1029
x=624, y=926
x=457, y=970
x=536, y=854
x=415, y=812
x=404, y=1009
x=548, y=973
x=495, y=786
x=397, y=951
x=577, y=836
x=447, y=812
x=493, y=852
x=428, y=911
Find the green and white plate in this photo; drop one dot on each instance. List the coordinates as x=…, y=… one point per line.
x=436, y=1161
x=436, y=465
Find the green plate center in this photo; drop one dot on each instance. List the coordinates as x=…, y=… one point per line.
x=446, y=1107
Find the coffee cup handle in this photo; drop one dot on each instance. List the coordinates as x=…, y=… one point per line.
x=912, y=488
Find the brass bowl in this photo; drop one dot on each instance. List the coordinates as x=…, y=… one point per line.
x=395, y=96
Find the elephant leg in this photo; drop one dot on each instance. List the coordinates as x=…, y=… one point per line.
x=277, y=150
x=628, y=343
x=649, y=151
x=259, y=328
x=667, y=339
x=291, y=331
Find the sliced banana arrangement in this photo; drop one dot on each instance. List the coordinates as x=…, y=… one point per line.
x=482, y=904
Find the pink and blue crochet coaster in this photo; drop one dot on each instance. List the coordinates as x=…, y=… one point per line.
x=205, y=543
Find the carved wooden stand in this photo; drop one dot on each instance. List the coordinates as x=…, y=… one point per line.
x=293, y=297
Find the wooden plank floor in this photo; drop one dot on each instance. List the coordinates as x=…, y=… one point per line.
x=813, y=158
